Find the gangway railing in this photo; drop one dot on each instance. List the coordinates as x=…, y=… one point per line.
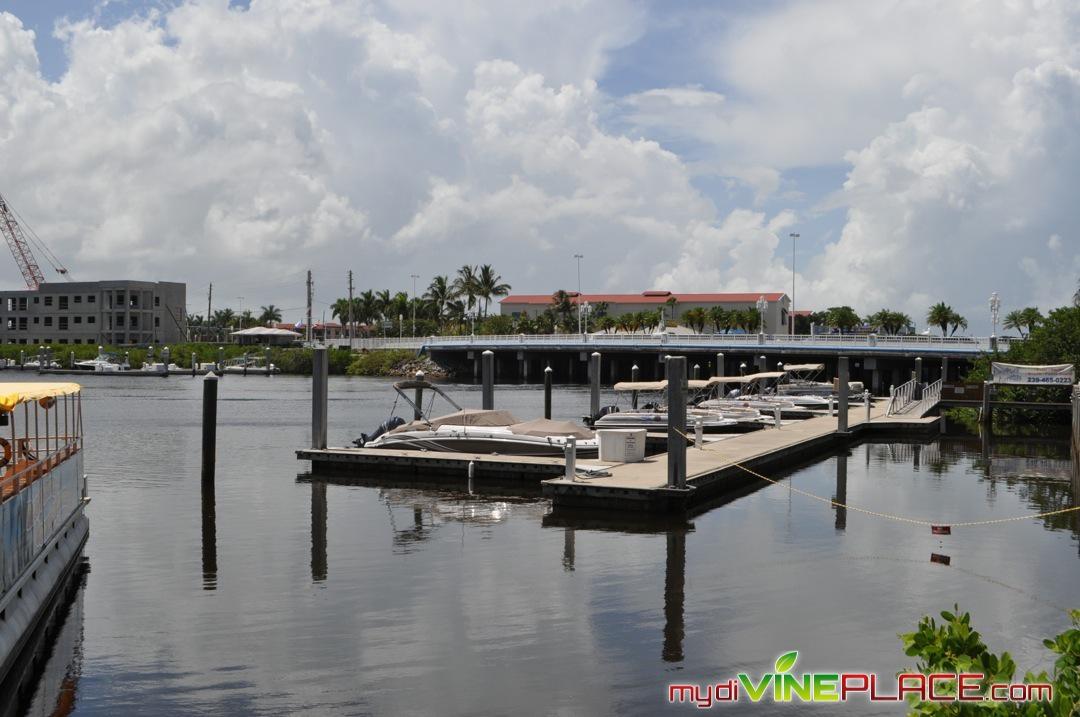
x=931, y=395
x=901, y=398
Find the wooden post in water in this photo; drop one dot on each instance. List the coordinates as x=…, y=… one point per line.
x=320, y=368
x=594, y=384
x=487, y=376
x=418, y=397
x=842, y=411
x=209, y=427
x=547, y=392
x=676, y=400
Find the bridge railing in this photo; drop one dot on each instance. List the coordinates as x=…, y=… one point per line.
x=666, y=339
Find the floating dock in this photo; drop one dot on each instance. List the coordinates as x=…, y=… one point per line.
x=712, y=471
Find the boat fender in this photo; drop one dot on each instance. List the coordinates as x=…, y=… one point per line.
x=7, y=452
x=387, y=425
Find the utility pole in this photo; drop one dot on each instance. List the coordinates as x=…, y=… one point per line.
x=579, y=257
x=350, y=310
x=307, y=326
x=209, y=302
x=793, y=238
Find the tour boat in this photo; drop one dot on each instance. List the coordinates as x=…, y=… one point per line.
x=42, y=503
x=474, y=430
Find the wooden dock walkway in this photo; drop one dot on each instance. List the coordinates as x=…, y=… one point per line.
x=711, y=471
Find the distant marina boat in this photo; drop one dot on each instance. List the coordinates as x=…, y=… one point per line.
x=42, y=501
x=250, y=365
x=102, y=363
x=475, y=430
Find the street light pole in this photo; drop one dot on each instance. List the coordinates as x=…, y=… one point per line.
x=762, y=304
x=793, y=236
x=414, y=278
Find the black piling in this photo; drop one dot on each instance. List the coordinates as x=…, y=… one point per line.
x=209, y=427
x=547, y=392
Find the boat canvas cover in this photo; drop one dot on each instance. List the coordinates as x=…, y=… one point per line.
x=12, y=394
x=788, y=368
x=747, y=379
x=700, y=383
x=464, y=417
x=545, y=427
x=640, y=385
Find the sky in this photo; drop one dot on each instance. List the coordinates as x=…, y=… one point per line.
x=923, y=151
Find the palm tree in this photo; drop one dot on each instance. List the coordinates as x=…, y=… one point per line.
x=1015, y=320
x=247, y=318
x=721, y=318
x=940, y=315
x=224, y=318
x=488, y=285
x=367, y=306
x=269, y=314
x=889, y=322
x=383, y=303
x=696, y=319
x=465, y=284
x=956, y=321
x=439, y=293
x=340, y=310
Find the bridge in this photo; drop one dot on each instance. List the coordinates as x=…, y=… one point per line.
x=878, y=361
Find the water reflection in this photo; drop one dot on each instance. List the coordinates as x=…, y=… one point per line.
x=674, y=597
x=841, y=492
x=568, y=550
x=318, y=531
x=209, y=535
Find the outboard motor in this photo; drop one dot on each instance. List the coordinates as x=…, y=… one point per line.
x=605, y=410
x=387, y=425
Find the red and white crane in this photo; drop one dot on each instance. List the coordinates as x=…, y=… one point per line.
x=19, y=244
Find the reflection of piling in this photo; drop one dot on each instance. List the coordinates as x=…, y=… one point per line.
x=841, y=491
x=209, y=427
x=676, y=372
x=568, y=550
x=320, y=368
x=487, y=376
x=547, y=392
x=318, y=531
x=674, y=597
x=842, y=415
x=594, y=384
x=209, y=536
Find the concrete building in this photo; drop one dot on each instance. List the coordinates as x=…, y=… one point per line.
x=118, y=313
x=776, y=312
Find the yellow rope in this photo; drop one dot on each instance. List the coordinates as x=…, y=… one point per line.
x=904, y=519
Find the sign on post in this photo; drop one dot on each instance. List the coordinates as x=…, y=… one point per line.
x=1018, y=375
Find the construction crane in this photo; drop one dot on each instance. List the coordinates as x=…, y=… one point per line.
x=19, y=243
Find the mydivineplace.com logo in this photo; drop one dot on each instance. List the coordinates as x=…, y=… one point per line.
x=782, y=686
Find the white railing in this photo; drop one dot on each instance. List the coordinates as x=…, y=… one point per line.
x=901, y=398
x=931, y=395
x=829, y=341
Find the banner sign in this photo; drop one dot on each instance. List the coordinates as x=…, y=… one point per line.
x=1060, y=375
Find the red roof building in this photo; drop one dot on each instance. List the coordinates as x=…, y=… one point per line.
x=776, y=311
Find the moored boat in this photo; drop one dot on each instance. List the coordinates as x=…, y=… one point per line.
x=42, y=501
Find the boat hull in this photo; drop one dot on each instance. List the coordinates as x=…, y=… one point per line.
x=480, y=444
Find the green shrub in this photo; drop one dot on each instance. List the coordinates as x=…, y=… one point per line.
x=379, y=363
x=954, y=647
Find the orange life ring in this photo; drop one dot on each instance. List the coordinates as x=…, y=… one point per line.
x=7, y=452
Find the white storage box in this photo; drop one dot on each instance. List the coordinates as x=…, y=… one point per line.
x=622, y=445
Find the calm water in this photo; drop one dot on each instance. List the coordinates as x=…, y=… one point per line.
x=297, y=597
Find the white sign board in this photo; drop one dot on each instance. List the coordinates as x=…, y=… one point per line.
x=1060, y=375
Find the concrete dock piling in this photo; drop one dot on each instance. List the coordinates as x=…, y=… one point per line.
x=246, y=355
x=634, y=373
x=547, y=392
x=266, y=356
x=320, y=369
x=697, y=371
x=22, y=359
x=418, y=397
x=594, y=384
x=194, y=364
x=166, y=356
x=71, y=360
x=570, y=454
x=719, y=365
x=676, y=401
x=487, y=377
x=220, y=357
x=866, y=404
x=844, y=388
x=209, y=427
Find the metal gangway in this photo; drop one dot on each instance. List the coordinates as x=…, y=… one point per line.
x=913, y=398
